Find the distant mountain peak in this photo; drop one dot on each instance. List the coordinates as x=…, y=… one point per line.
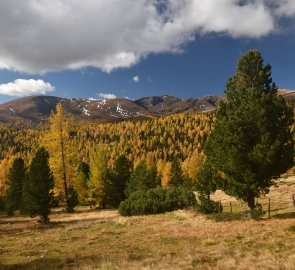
x=39, y=108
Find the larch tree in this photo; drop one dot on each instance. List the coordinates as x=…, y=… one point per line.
x=16, y=177
x=99, y=177
x=63, y=161
x=38, y=185
x=251, y=142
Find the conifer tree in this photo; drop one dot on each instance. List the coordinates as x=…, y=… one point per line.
x=73, y=199
x=38, y=185
x=81, y=183
x=99, y=178
x=119, y=179
x=16, y=176
x=251, y=142
x=62, y=152
x=141, y=179
x=176, y=174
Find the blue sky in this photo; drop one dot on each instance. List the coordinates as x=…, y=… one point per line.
x=185, y=58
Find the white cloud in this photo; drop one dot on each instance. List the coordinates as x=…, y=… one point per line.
x=40, y=36
x=136, y=79
x=21, y=87
x=107, y=96
x=286, y=7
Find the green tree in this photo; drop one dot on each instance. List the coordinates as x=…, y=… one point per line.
x=141, y=179
x=73, y=199
x=16, y=176
x=119, y=178
x=38, y=185
x=81, y=182
x=251, y=142
x=176, y=174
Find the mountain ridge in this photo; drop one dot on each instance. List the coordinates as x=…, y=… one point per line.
x=39, y=108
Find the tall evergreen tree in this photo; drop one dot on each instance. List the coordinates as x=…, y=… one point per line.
x=38, y=185
x=251, y=142
x=119, y=178
x=176, y=174
x=81, y=183
x=141, y=179
x=16, y=176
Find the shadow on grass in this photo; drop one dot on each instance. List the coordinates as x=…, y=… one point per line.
x=32, y=224
x=284, y=215
x=74, y=262
x=221, y=217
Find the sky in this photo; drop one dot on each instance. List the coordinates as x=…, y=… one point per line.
x=137, y=48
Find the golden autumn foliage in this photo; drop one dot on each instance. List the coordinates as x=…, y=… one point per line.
x=156, y=141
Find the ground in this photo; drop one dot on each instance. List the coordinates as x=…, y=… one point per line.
x=183, y=239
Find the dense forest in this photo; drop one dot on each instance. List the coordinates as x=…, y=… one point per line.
x=158, y=141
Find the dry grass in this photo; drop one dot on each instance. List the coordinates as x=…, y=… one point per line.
x=88, y=240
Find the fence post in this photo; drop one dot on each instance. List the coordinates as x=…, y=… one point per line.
x=293, y=200
x=231, y=207
x=241, y=208
x=268, y=207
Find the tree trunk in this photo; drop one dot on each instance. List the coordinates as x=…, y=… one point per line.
x=251, y=205
x=64, y=164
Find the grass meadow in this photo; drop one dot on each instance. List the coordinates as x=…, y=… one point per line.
x=184, y=239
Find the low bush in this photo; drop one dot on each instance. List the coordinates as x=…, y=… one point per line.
x=157, y=200
x=207, y=206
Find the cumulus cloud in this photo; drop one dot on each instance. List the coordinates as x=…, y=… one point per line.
x=136, y=79
x=21, y=87
x=41, y=36
x=107, y=96
x=286, y=7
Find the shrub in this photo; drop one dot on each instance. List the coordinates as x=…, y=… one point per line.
x=2, y=207
x=73, y=199
x=207, y=206
x=157, y=200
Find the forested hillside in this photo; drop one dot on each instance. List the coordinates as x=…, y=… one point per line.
x=160, y=141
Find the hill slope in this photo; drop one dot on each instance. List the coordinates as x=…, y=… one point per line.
x=38, y=108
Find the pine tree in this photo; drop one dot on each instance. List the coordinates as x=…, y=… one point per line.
x=176, y=174
x=81, y=183
x=251, y=142
x=38, y=185
x=16, y=176
x=73, y=199
x=119, y=178
x=141, y=179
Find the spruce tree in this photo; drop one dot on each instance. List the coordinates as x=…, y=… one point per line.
x=141, y=179
x=81, y=183
x=119, y=178
x=38, y=185
x=251, y=142
x=16, y=176
x=176, y=174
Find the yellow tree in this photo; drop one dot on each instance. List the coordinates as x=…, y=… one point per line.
x=99, y=176
x=63, y=158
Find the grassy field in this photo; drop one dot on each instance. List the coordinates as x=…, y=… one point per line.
x=183, y=239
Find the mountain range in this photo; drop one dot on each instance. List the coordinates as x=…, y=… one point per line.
x=38, y=108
